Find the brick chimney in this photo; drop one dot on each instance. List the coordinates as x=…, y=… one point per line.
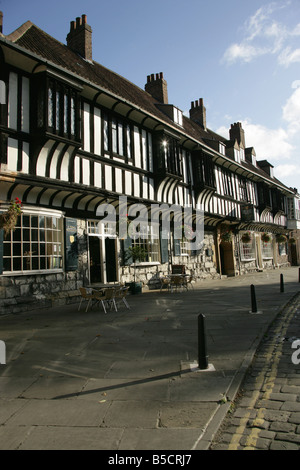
x=1, y=22
x=79, y=38
x=157, y=87
x=198, y=113
x=237, y=132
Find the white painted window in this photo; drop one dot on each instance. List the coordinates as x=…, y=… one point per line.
x=221, y=148
x=13, y=101
x=86, y=127
x=247, y=248
x=267, y=250
x=177, y=116
x=36, y=244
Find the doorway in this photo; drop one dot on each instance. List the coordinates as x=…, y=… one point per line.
x=111, y=260
x=103, y=259
x=227, y=259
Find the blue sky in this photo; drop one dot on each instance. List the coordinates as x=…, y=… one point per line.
x=242, y=58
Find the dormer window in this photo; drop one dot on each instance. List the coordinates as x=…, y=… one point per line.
x=237, y=155
x=221, y=148
x=242, y=154
x=172, y=112
x=177, y=116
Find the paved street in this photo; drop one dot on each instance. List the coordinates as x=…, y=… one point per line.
x=129, y=380
x=266, y=413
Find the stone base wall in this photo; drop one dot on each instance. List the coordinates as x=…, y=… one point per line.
x=21, y=293
x=202, y=266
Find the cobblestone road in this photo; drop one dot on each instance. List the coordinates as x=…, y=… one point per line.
x=266, y=412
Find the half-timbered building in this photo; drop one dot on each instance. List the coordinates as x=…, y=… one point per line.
x=75, y=136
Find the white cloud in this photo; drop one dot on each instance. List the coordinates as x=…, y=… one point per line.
x=296, y=84
x=291, y=112
x=288, y=175
x=245, y=52
x=275, y=145
x=269, y=144
x=265, y=35
x=272, y=144
x=284, y=171
x=288, y=57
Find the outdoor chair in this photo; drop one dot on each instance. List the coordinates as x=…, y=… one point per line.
x=85, y=296
x=106, y=298
x=165, y=281
x=190, y=280
x=177, y=281
x=120, y=296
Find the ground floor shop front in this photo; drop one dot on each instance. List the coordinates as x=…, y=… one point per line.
x=48, y=257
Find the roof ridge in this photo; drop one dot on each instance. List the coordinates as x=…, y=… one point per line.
x=18, y=33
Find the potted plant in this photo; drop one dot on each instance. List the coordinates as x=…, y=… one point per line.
x=246, y=237
x=8, y=219
x=136, y=253
x=292, y=241
x=281, y=239
x=266, y=238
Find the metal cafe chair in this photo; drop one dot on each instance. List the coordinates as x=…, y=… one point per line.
x=85, y=295
x=120, y=296
x=178, y=282
x=106, y=298
x=165, y=281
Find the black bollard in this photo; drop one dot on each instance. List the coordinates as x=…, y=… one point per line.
x=281, y=283
x=253, y=300
x=202, y=354
x=299, y=275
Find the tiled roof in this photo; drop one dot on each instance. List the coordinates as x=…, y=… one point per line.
x=37, y=41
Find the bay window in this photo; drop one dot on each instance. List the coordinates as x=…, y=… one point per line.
x=36, y=244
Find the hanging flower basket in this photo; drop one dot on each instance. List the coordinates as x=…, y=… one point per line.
x=281, y=239
x=8, y=219
x=226, y=236
x=292, y=241
x=246, y=237
x=187, y=233
x=266, y=238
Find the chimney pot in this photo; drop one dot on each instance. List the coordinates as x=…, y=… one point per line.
x=79, y=38
x=236, y=132
x=157, y=87
x=1, y=22
x=198, y=113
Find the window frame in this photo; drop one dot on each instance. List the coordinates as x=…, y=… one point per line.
x=248, y=249
x=117, y=136
x=62, y=110
x=267, y=250
x=39, y=236
x=151, y=243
